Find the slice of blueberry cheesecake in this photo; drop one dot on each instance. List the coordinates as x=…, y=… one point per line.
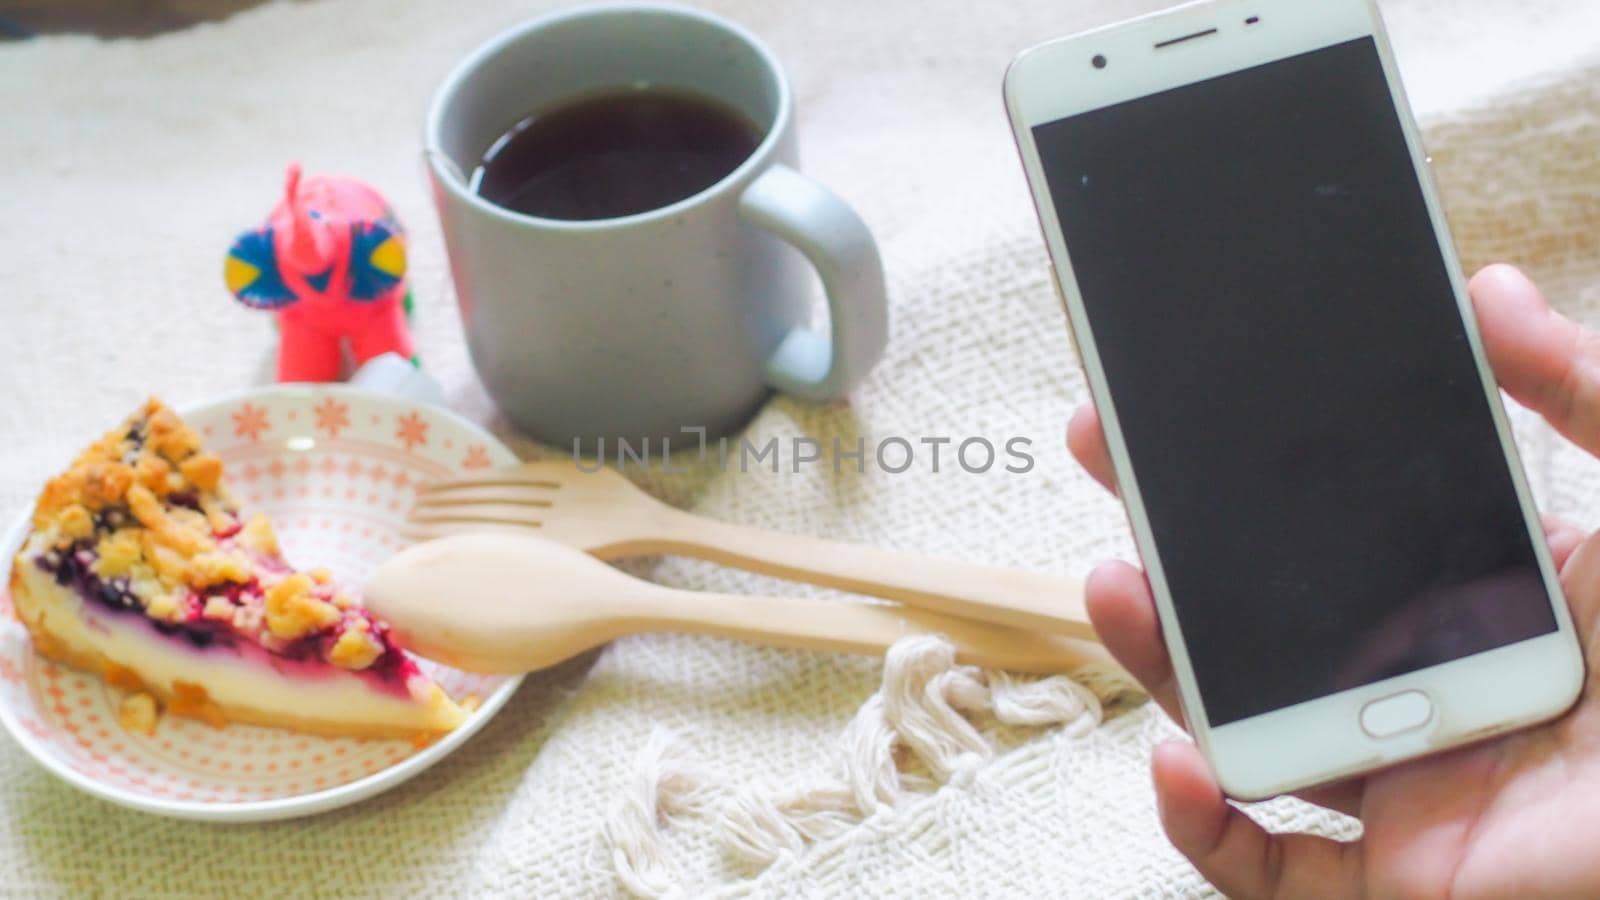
x=142, y=569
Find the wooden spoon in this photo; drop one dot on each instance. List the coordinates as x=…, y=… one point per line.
x=604, y=514
x=503, y=602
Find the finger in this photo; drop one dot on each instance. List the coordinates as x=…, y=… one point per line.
x=1343, y=796
x=1580, y=581
x=1123, y=612
x=1544, y=360
x=1232, y=851
x=1563, y=538
x=1087, y=441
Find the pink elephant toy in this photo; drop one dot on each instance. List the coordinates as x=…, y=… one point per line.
x=330, y=263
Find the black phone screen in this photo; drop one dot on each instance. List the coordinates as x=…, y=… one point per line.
x=1316, y=453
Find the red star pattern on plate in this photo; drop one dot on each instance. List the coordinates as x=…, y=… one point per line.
x=332, y=416
x=250, y=421
x=412, y=430
x=378, y=472
x=477, y=457
x=277, y=468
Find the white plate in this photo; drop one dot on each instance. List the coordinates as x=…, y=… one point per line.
x=336, y=469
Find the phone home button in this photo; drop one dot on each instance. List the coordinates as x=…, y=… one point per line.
x=1392, y=715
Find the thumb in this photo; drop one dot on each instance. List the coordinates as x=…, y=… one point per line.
x=1544, y=360
x=1234, y=853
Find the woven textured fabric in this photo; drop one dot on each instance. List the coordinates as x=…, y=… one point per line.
x=129, y=165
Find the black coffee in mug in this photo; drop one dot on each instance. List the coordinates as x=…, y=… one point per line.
x=614, y=153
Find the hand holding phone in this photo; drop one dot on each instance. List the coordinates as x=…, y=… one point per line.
x=1341, y=545
x=1510, y=817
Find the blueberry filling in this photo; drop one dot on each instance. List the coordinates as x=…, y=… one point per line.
x=74, y=568
x=198, y=637
x=115, y=594
x=393, y=665
x=135, y=439
x=111, y=518
x=68, y=566
x=186, y=499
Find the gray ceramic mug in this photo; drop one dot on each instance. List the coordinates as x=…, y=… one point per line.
x=676, y=318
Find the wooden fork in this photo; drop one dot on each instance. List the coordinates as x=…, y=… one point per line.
x=605, y=515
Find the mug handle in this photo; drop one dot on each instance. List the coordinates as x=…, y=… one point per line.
x=816, y=222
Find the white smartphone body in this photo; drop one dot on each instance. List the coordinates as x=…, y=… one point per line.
x=1347, y=563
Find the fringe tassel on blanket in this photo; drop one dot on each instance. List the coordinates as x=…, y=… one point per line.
x=922, y=714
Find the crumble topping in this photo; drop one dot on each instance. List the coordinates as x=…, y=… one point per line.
x=202, y=470
x=293, y=611
x=192, y=700
x=123, y=677
x=153, y=472
x=118, y=553
x=75, y=522
x=143, y=522
x=214, y=568
x=138, y=712
x=356, y=648
x=218, y=609
x=164, y=607
x=259, y=536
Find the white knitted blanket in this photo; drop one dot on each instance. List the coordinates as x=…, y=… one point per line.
x=678, y=764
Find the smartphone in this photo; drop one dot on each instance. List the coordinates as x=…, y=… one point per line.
x=1348, y=567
